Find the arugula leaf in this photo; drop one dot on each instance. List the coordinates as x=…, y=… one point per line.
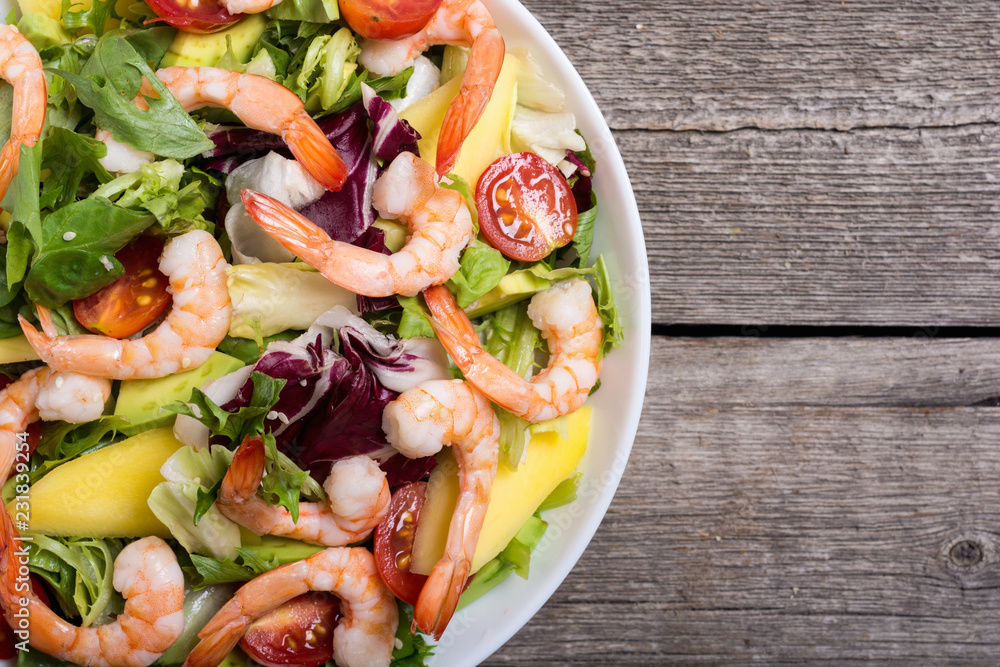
x=410, y=650
x=282, y=486
x=94, y=17
x=207, y=571
x=76, y=256
x=152, y=43
x=68, y=157
x=109, y=84
x=234, y=426
x=480, y=269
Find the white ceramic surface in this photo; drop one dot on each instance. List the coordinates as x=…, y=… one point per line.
x=481, y=628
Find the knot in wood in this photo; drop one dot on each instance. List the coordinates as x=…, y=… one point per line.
x=966, y=554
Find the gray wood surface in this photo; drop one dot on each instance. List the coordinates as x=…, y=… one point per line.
x=808, y=499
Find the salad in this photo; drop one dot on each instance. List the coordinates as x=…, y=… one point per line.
x=274, y=277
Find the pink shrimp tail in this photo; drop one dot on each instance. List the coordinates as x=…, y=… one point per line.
x=481, y=74
x=439, y=597
x=245, y=471
x=213, y=648
x=40, y=342
x=315, y=152
x=291, y=229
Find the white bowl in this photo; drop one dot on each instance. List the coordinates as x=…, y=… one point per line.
x=478, y=630
x=481, y=628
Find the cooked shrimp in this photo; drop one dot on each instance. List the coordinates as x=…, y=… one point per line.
x=465, y=22
x=367, y=628
x=21, y=67
x=119, y=157
x=418, y=423
x=357, y=489
x=197, y=322
x=568, y=319
x=146, y=573
x=42, y=393
x=247, y=6
x=262, y=104
x=439, y=222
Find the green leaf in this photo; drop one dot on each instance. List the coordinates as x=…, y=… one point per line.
x=95, y=18
x=481, y=269
x=613, y=335
x=79, y=572
x=583, y=238
x=281, y=485
x=25, y=232
x=414, y=321
x=564, y=493
x=462, y=187
x=77, y=250
x=247, y=350
x=410, y=650
x=514, y=558
x=207, y=571
x=152, y=43
x=109, y=84
x=68, y=157
x=235, y=426
x=311, y=11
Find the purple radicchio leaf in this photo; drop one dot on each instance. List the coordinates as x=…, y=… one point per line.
x=392, y=135
x=583, y=185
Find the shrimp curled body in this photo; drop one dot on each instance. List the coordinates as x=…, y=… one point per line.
x=418, y=423
x=568, y=319
x=439, y=221
x=21, y=66
x=264, y=105
x=42, y=393
x=357, y=488
x=367, y=629
x=146, y=573
x=197, y=322
x=463, y=22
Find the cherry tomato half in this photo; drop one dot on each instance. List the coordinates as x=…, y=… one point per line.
x=387, y=19
x=132, y=302
x=526, y=208
x=299, y=633
x=198, y=16
x=394, y=542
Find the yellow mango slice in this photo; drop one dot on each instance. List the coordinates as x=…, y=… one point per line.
x=489, y=139
x=515, y=497
x=103, y=494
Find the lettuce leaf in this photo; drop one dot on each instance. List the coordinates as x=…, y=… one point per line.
x=68, y=158
x=108, y=84
x=79, y=572
x=480, y=270
x=516, y=557
x=25, y=232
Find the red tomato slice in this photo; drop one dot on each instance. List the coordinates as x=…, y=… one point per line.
x=132, y=302
x=387, y=19
x=199, y=16
x=394, y=542
x=299, y=633
x=526, y=208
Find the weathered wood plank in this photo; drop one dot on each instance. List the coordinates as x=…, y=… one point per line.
x=785, y=535
x=780, y=64
x=905, y=372
x=755, y=522
x=873, y=227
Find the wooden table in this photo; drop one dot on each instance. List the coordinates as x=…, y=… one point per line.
x=816, y=476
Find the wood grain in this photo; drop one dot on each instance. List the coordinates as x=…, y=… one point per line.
x=782, y=64
x=872, y=227
x=760, y=524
